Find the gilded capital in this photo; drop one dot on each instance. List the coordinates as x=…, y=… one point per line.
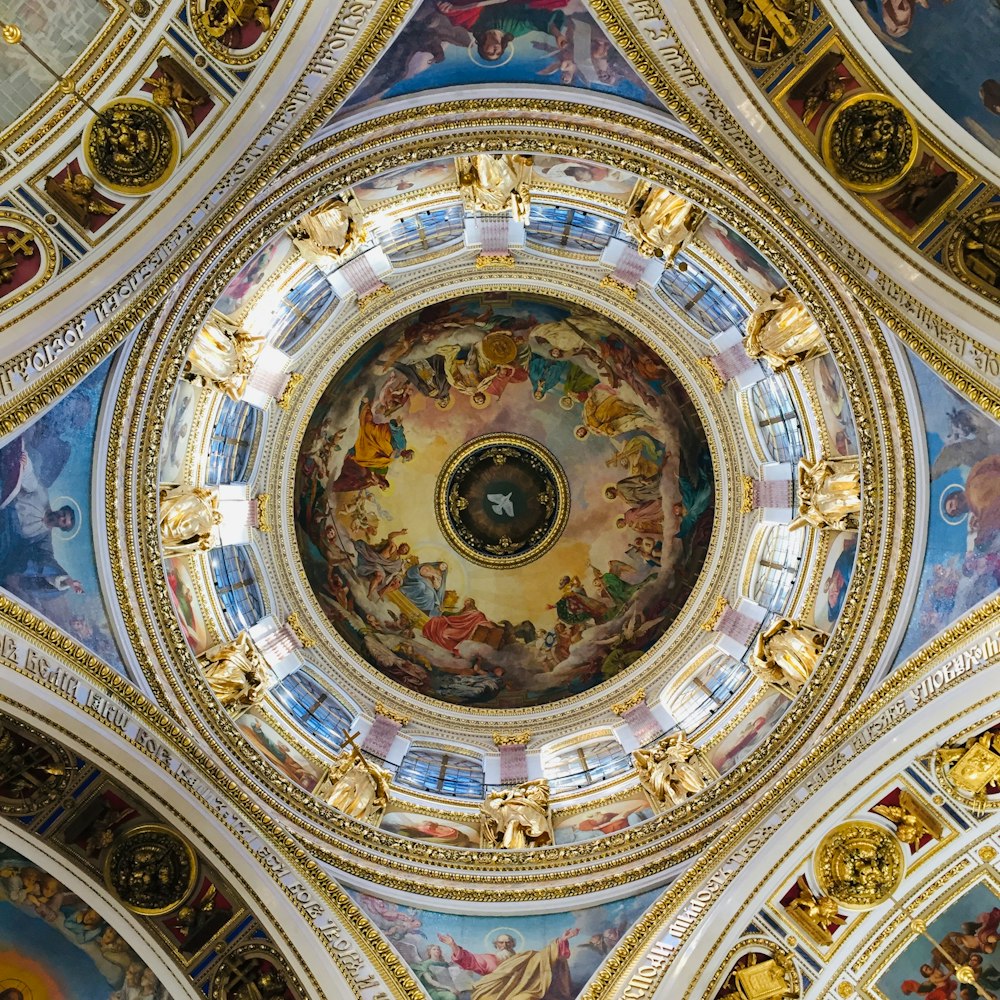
x=263, y=501
x=709, y=365
x=509, y=739
x=747, y=504
x=294, y=378
x=713, y=619
x=610, y=281
x=388, y=713
x=496, y=260
x=621, y=707
x=300, y=633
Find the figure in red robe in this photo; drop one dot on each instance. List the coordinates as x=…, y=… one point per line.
x=449, y=631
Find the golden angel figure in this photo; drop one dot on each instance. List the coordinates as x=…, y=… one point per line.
x=816, y=913
x=330, y=232
x=829, y=493
x=188, y=516
x=782, y=332
x=75, y=194
x=660, y=222
x=236, y=673
x=222, y=355
x=496, y=182
x=913, y=821
x=517, y=817
x=355, y=786
x=667, y=770
x=787, y=653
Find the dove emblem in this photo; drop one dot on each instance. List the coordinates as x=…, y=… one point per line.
x=501, y=503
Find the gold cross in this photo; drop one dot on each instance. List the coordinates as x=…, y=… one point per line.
x=20, y=243
x=349, y=739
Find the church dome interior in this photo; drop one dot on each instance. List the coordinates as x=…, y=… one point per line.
x=500, y=500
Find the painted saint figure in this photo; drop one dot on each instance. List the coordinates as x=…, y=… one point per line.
x=511, y=975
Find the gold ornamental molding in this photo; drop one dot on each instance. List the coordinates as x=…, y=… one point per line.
x=369, y=836
x=289, y=800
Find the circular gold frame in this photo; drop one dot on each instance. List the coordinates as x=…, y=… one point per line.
x=134, y=833
x=154, y=181
x=562, y=500
x=826, y=145
x=834, y=853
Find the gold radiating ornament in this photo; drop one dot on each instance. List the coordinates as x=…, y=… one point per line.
x=859, y=864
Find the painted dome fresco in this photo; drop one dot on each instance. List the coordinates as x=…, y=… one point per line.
x=503, y=500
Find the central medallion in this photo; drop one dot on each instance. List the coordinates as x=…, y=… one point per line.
x=502, y=500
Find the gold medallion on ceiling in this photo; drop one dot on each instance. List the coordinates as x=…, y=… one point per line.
x=765, y=30
x=27, y=256
x=870, y=142
x=151, y=869
x=859, y=864
x=974, y=252
x=502, y=500
x=131, y=146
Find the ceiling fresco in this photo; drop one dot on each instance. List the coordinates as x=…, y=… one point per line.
x=473, y=614
x=551, y=42
x=56, y=946
x=933, y=43
x=455, y=598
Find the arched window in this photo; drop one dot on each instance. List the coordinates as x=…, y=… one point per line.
x=420, y=233
x=443, y=773
x=300, y=308
x=232, y=443
x=699, y=698
x=700, y=298
x=586, y=764
x=315, y=708
x=570, y=229
x=777, y=419
x=777, y=567
x=236, y=585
